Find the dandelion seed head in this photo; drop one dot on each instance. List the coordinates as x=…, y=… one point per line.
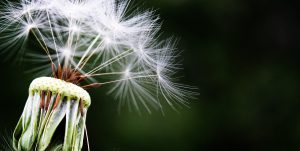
x=102, y=38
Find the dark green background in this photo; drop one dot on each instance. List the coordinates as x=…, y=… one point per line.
x=242, y=55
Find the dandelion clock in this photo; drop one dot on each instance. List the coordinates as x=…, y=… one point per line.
x=87, y=44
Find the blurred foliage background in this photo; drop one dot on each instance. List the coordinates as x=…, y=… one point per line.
x=242, y=55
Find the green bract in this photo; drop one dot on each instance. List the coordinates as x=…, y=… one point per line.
x=49, y=102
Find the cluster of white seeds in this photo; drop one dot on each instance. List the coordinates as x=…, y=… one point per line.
x=106, y=40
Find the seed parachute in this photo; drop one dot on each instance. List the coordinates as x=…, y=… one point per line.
x=87, y=44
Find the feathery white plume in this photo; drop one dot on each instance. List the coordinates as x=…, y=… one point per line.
x=100, y=39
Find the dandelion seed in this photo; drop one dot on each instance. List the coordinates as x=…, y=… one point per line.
x=93, y=41
x=66, y=52
x=29, y=27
